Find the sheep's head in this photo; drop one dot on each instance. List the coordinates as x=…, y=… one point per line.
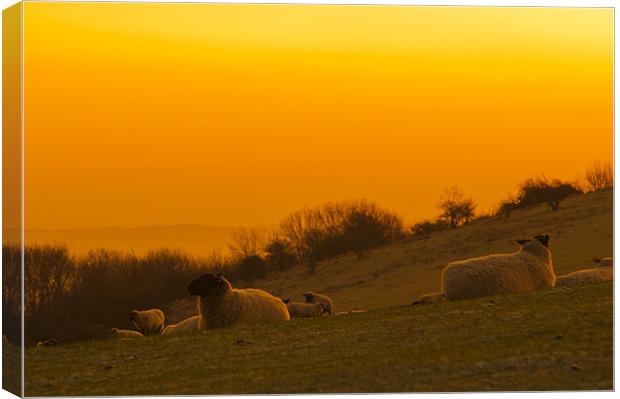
x=133, y=315
x=604, y=262
x=208, y=284
x=309, y=297
x=111, y=332
x=286, y=301
x=543, y=239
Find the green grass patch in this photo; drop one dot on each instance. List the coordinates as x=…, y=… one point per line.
x=559, y=339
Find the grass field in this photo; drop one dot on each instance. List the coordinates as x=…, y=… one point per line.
x=558, y=339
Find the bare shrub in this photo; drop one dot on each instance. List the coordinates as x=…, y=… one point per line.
x=245, y=242
x=456, y=209
x=426, y=227
x=317, y=233
x=541, y=190
x=600, y=176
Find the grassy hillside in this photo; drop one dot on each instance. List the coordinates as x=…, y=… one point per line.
x=559, y=339
x=394, y=275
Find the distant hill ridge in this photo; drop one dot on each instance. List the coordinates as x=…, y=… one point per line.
x=199, y=240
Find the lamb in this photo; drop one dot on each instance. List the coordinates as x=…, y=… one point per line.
x=48, y=342
x=429, y=298
x=312, y=297
x=119, y=333
x=186, y=326
x=220, y=305
x=528, y=269
x=299, y=309
x=147, y=321
x=603, y=272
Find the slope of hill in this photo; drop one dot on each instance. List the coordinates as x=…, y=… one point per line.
x=558, y=339
x=194, y=239
x=394, y=275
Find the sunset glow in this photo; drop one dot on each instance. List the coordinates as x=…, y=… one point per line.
x=155, y=114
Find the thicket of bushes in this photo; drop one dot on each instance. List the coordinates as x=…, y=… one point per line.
x=77, y=297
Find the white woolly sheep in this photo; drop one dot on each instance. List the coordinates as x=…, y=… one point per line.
x=313, y=297
x=604, y=271
x=221, y=305
x=300, y=309
x=188, y=325
x=528, y=269
x=148, y=321
x=119, y=333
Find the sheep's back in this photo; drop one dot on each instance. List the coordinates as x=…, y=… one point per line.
x=586, y=276
x=492, y=275
x=259, y=306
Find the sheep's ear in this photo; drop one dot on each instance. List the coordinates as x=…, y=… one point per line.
x=544, y=239
x=522, y=242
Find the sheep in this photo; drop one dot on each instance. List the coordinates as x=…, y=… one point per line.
x=48, y=342
x=186, y=326
x=528, y=269
x=147, y=321
x=220, y=305
x=299, y=309
x=312, y=297
x=119, y=333
x=604, y=271
x=429, y=298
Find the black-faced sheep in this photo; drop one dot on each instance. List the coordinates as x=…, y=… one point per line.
x=528, y=269
x=188, y=325
x=313, y=297
x=604, y=271
x=221, y=305
x=300, y=309
x=147, y=321
x=119, y=333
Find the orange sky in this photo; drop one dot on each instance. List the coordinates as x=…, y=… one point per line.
x=151, y=114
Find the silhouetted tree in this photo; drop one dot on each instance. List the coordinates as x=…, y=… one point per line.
x=279, y=253
x=246, y=242
x=455, y=209
x=540, y=190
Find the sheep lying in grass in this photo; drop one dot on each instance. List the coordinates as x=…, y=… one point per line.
x=429, y=298
x=188, y=325
x=603, y=272
x=147, y=321
x=48, y=342
x=528, y=269
x=299, y=309
x=221, y=305
x=119, y=333
x=313, y=297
